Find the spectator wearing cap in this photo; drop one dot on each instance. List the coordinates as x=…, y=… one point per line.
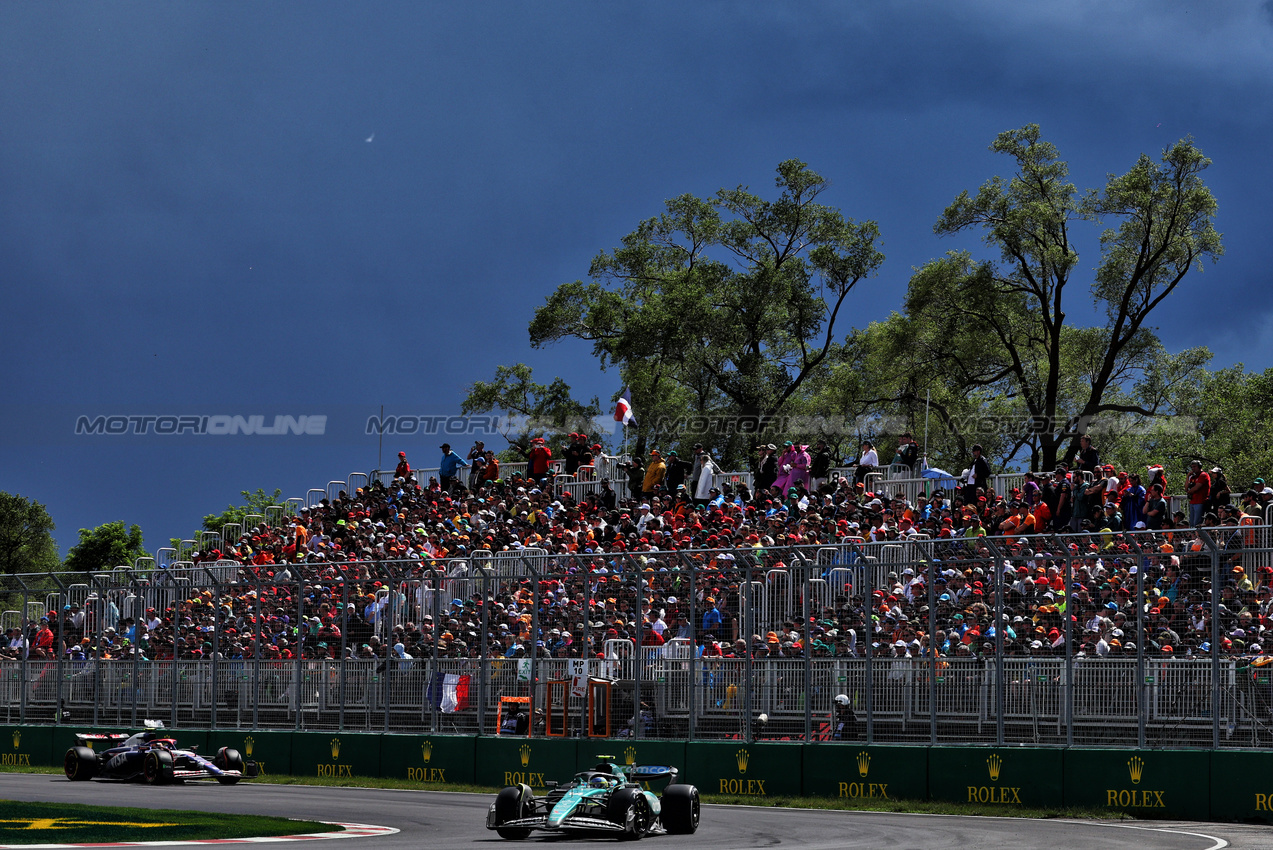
x=654, y=474
x=1219, y=494
x=403, y=469
x=677, y=470
x=477, y=460
x=712, y=618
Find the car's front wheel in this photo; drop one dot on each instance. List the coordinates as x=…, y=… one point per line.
x=80, y=764
x=629, y=808
x=228, y=758
x=513, y=803
x=157, y=768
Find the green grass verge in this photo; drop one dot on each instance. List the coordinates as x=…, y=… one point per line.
x=930, y=807
x=65, y=823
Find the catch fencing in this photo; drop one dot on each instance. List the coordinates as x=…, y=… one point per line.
x=771, y=643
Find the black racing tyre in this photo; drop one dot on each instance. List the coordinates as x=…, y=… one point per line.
x=157, y=768
x=513, y=803
x=228, y=758
x=80, y=764
x=680, y=809
x=629, y=808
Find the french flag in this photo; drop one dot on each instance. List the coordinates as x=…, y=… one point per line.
x=623, y=409
x=450, y=692
x=455, y=693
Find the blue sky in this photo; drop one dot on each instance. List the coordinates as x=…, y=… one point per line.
x=193, y=221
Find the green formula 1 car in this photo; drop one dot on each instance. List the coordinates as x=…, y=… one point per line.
x=608, y=798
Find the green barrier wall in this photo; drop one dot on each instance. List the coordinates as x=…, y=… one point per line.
x=1178, y=784
x=859, y=772
x=1147, y=783
x=1242, y=786
x=1007, y=776
x=429, y=758
x=28, y=746
x=272, y=751
x=335, y=754
x=749, y=770
x=532, y=761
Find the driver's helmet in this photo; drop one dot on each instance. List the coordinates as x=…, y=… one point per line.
x=599, y=782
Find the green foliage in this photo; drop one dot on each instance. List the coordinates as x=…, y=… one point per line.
x=532, y=409
x=253, y=503
x=1220, y=419
x=105, y=547
x=999, y=328
x=26, y=539
x=722, y=307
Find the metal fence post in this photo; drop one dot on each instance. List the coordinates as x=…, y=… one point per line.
x=136, y=644
x=26, y=651
x=216, y=647
x=484, y=661
x=693, y=694
x=749, y=622
x=808, y=647
x=1214, y=551
x=995, y=580
x=297, y=659
x=344, y=645
x=931, y=581
x=434, y=672
x=256, y=657
x=1069, y=646
x=1142, y=704
x=868, y=615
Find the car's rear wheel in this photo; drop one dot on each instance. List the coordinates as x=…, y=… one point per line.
x=513, y=803
x=80, y=764
x=629, y=808
x=157, y=768
x=228, y=758
x=680, y=809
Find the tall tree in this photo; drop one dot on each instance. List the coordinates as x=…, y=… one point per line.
x=26, y=539
x=533, y=409
x=728, y=303
x=105, y=547
x=1014, y=310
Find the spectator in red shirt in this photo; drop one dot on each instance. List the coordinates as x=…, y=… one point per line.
x=1199, y=490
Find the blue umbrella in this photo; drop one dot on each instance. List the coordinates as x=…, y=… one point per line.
x=945, y=480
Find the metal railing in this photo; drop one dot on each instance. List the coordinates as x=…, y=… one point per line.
x=758, y=642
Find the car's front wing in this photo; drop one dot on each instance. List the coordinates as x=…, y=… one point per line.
x=580, y=823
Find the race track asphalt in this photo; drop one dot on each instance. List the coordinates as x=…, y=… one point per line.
x=443, y=821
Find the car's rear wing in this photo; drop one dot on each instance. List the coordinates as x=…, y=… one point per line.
x=89, y=738
x=652, y=773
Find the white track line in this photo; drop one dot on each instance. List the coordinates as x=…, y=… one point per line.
x=1219, y=844
x=351, y=830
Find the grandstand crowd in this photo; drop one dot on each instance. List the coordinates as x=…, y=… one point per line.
x=658, y=556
